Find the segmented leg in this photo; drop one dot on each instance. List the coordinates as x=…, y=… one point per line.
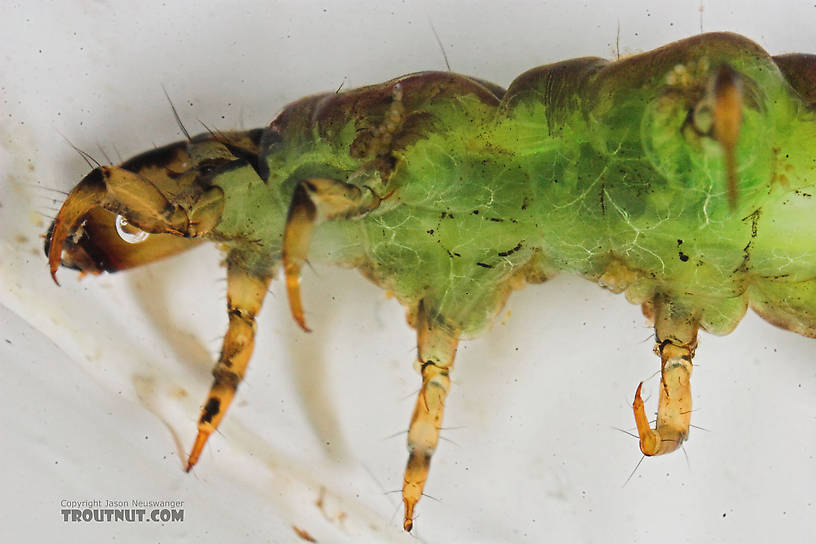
x=245, y=294
x=436, y=351
x=676, y=335
x=316, y=200
x=128, y=194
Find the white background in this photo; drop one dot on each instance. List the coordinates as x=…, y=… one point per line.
x=102, y=379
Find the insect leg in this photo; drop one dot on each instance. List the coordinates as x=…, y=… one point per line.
x=676, y=335
x=726, y=95
x=245, y=294
x=316, y=200
x=436, y=351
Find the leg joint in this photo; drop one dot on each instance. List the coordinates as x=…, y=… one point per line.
x=673, y=349
x=242, y=314
x=226, y=376
x=430, y=365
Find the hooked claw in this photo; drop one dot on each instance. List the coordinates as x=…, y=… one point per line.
x=300, y=224
x=85, y=196
x=674, y=408
x=123, y=192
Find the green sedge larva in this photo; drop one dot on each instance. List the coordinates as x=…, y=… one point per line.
x=681, y=177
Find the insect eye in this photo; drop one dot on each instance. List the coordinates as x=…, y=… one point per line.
x=128, y=232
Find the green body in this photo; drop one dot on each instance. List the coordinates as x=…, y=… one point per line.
x=584, y=166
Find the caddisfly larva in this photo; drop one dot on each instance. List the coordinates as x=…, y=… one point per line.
x=682, y=177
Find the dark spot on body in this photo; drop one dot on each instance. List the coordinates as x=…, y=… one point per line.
x=48, y=236
x=683, y=256
x=485, y=265
x=255, y=136
x=246, y=156
x=211, y=410
x=159, y=157
x=96, y=178
x=754, y=217
x=663, y=344
x=302, y=201
x=510, y=251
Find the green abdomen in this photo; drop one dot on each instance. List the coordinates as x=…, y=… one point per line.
x=600, y=169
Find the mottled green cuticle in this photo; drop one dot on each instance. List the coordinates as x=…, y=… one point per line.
x=580, y=166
